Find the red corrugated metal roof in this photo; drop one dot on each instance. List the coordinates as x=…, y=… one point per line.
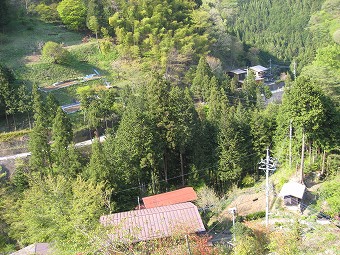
x=158, y=222
x=169, y=198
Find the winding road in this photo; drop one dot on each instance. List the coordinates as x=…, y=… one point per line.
x=26, y=154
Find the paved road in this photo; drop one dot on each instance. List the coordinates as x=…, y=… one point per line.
x=26, y=154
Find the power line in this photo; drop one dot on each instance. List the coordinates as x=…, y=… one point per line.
x=186, y=174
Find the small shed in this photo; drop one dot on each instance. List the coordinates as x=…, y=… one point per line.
x=259, y=71
x=292, y=193
x=240, y=74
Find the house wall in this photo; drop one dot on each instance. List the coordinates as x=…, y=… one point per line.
x=291, y=201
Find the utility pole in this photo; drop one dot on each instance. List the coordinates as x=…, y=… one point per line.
x=267, y=165
x=233, y=212
x=188, y=244
x=294, y=70
x=270, y=67
x=290, y=144
x=267, y=187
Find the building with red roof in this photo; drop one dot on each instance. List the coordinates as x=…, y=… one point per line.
x=169, y=198
x=158, y=222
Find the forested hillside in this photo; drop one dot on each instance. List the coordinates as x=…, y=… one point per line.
x=152, y=77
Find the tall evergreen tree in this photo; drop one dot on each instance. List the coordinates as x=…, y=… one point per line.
x=181, y=121
x=234, y=146
x=51, y=105
x=201, y=80
x=97, y=169
x=40, y=159
x=24, y=103
x=6, y=92
x=62, y=136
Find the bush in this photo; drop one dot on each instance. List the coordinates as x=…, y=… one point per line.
x=12, y=135
x=53, y=52
x=248, y=181
x=255, y=216
x=47, y=13
x=330, y=193
x=106, y=46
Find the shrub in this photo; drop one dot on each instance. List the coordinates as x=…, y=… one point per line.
x=255, y=216
x=11, y=135
x=106, y=46
x=330, y=193
x=53, y=52
x=47, y=12
x=248, y=181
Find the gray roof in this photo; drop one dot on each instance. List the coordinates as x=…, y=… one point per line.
x=258, y=68
x=238, y=71
x=294, y=189
x=152, y=223
x=34, y=249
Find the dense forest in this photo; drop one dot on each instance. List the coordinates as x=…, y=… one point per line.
x=170, y=114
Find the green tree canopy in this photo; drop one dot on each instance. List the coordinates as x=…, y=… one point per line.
x=73, y=13
x=67, y=215
x=53, y=52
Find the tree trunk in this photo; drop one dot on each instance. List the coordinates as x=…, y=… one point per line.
x=182, y=168
x=14, y=122
x=29, y=120
x=165, y=168
x=98, y=45
x=7, y=121
x=90, y=134
x=310, y=152
x=302, y=157
x=323, y=163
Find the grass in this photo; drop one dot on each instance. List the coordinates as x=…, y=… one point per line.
x=20, y=51
x=25, y=37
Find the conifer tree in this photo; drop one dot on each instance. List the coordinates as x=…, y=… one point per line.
x=24, y=103
x=202, y=78
x=6, y=92
x=61, y=138
x=97, y=169
x=234, y=144
x=181, y=121
x=51, y=106
x=40, y=159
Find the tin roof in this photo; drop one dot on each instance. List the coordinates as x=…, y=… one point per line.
x=169, y=198
x=158, y=222
x=258, y=68
x=238, y=71
x=34, y=249
x=294, y=189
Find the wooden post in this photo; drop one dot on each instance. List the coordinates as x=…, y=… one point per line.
x=302, y=156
